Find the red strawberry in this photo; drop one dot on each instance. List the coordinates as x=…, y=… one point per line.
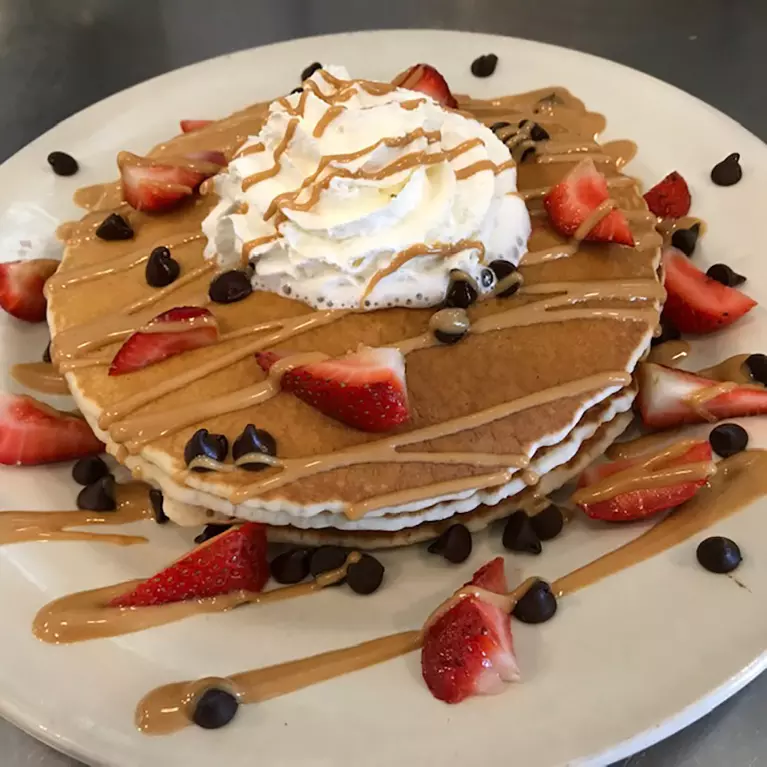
x=365, y=390
x=203, y=157
x=189, y=327
x=21, y=287
x=664, y=393
x=670, y=197
x=576, y=197
x=638, y=504
x=469, y=650
x=233, y=560
x=31, y=432
x=426, y=79
x=187, y=126
x=695, y=303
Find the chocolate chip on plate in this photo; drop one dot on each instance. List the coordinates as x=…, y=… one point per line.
x=87, y=470
x=519, y=535
x=161, y=268
x=503, y=271
x=114, y=227
x=292, y=566
x=539, y=133
x=461, y=291
x=686, y=239
x=726, y=439
x=484, y=66
x=728, y=171
x=203, y=444
x=449, y=326
x=47, y=353
x=214, y=708
x=310, y=70
x=454, y=544
x=365, y=576
x=253, y=442
x=538, y=605
x=326, y=558
x=548, y=523
x=668, y=332
x=719, y=555
x=528, y=152
x=98, y=496
x=722, y=273
x=230, y=287
x=756, y=364
x=156, y=499
x=210, y=531
x=63, y=164
x=495, y=127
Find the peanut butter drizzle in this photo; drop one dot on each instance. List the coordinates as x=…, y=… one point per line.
x=602, y=211
x=132, y=505
x=326, y=119
x=40, y=376
x=252, y=149
x=279, y=150
x=698, y=400
x=669, y=353
x=732, y=369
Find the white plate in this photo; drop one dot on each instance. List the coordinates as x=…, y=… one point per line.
x=625, y=663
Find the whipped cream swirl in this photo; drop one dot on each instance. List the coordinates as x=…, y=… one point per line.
x=360, y=195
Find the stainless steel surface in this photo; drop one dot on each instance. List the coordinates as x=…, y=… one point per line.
x=58, y=56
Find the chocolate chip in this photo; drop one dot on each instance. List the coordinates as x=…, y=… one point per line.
x=522, y=123
x=214, y=708
x=155, y=498
x=728, y=171
x=87, y=470
x=461, y=292
x=722, y=273
x=450, y=325
x=686, y=239
x=728, y=439
x=668, y=332
x=161, y=268
x=454, y=544
x=529, y=152
x=497, y=126
x=539, y=133
x=310, y=70
x=291, y=566
x=326, y=558
x=548, y=523
x=719, y=555
x=756, y=364
x=230, y=287
x=114, y=227
x=202, y=443
x=253, y=440
x=210, y=531
x=365, y=576
x=519, y=535
x=98, y=496
x=538, y=605
x=484, y=66
x=501, y=270
x=297, y=90
x=487, y=277
x=63, y=164
x=47, y=353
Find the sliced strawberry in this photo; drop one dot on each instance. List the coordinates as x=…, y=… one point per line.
x=203, y=157
x=365, y=390
x=664, y=398
x=31, y=432
x=189, y=327
x=187, y=126
x=641, y=503
x=670, y=197
x=576, y=197
x=21, y=287
x=233, y=560
x=469, y=650
x=696, y=303
x=426, y=79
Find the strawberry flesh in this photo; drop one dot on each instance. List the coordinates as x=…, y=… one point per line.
x=188, y=126
x=424, y=78
x=365, y=390
x=32, y=433
x=21, y=287
x=576, y=197
x=696, y=303
x=190, y=327
x=670, y=197
x=232, y=561
x=664, y=393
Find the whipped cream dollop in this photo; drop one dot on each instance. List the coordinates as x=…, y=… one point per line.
x=358, y=194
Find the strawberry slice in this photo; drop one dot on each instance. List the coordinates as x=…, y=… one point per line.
x=664, y=398
x=644, y=502
x=154, y=186
x=21, y=287
x=365, y=390
x=696, y=303
x=233, y=560
x=468, y=650
x=424, y=78
x=31, y=432
x=670, y=197
x=189, y=327
x=576, y=197
x=188, y=126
